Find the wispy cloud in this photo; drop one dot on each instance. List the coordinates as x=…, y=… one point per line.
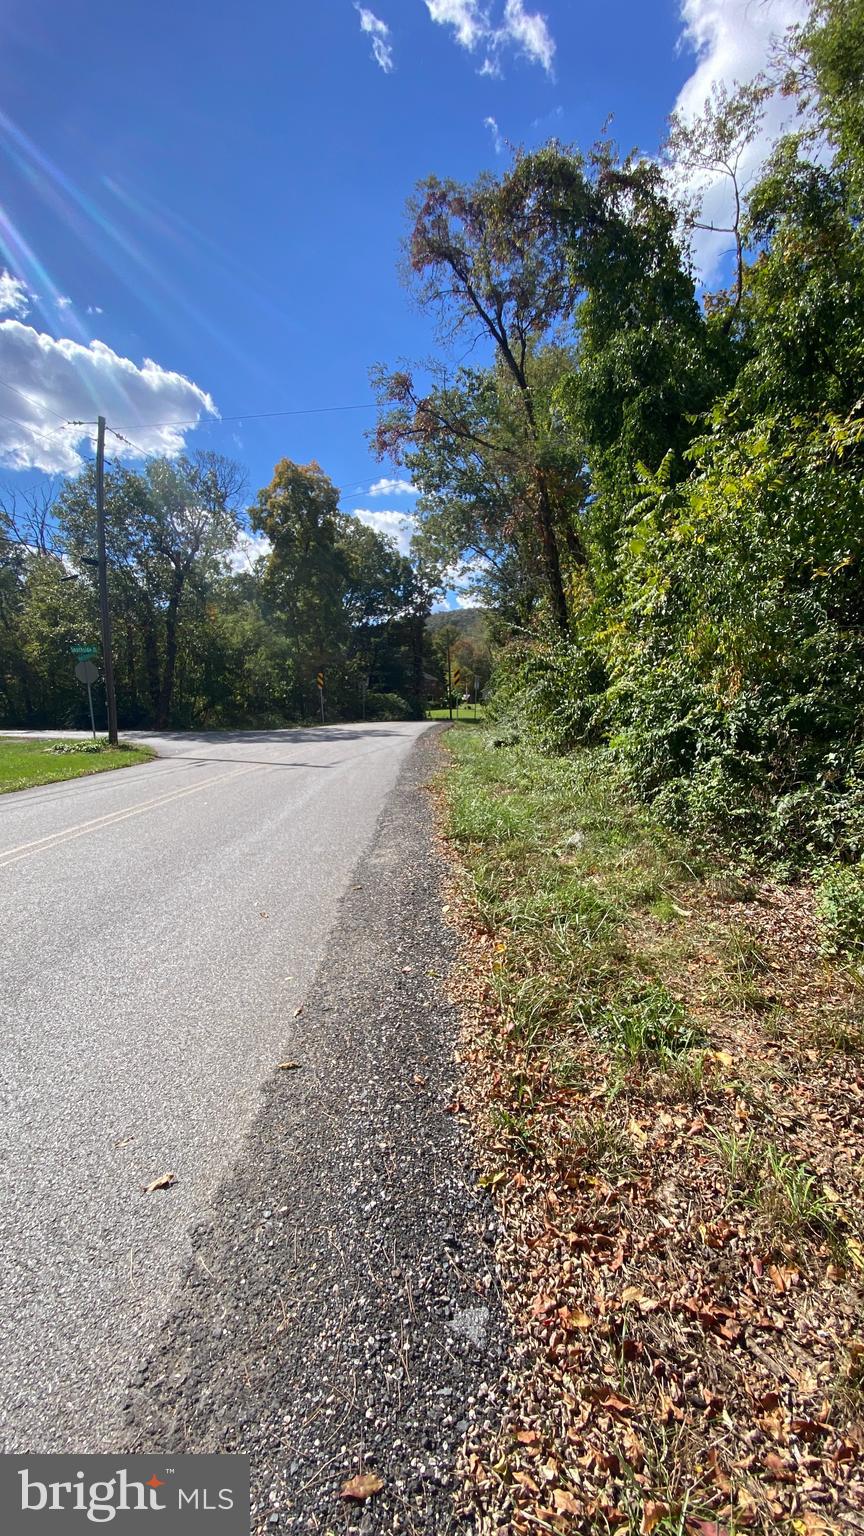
x=476, y=29
x=388, y=487
x=379, y=32
x=395, y=525
x=14, y=297
x=492, y=124
x=63, y=301
x=60, y=379
x=732, y=42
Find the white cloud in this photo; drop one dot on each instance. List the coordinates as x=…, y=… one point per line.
x=388, y=487
x=529, y=33
x=64, y=380
x=14, y=298
x=63, y=301
x=378, y=30
x=396, y=525
x=469, y=23
x=732, y=41
x=248, y=548
x=492, y=124
x=474, y=27
x=94, y=309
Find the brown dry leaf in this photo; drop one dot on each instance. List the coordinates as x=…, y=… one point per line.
x=298, y=1011
x=643, y=1302
x=565, y=1503
x=653, y=1511
x=163, y=1182
x=361, y=1487
x=288, y=1066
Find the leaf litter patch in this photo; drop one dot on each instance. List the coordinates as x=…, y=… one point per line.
x=679, y=1183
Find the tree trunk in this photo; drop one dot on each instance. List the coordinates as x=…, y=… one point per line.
x=552, y=559
x=167, y=690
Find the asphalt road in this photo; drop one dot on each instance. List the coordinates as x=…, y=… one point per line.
x=160, y=925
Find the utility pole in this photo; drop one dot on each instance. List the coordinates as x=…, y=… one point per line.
x=104, y=611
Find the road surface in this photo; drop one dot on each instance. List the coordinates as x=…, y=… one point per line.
x=161, y=925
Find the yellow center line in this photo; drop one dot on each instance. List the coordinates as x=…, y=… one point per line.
x=68, y=834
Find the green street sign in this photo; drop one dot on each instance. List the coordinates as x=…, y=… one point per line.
x=85, y=650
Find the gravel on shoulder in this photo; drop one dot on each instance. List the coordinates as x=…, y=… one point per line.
x=340, y=1313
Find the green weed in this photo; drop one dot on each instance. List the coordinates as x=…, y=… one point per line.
x=647, y=1023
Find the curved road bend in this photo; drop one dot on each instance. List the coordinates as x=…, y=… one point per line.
x=160, y=926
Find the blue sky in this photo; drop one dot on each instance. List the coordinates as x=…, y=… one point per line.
x=220, y=190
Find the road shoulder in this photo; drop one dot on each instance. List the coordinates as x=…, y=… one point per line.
x=339, y=1314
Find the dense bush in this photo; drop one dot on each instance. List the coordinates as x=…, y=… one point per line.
x=388, y=706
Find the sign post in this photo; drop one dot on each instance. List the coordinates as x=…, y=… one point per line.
x=455, y=683
x=87, y=672
x=320, y=682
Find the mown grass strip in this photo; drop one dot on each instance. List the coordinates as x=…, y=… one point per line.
x=27, y=763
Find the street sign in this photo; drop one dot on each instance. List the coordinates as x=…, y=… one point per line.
x=87, y=672
x=84, y=652
x=456, y=678
x=320, y=679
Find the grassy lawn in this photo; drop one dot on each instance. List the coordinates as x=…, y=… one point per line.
x=464, y=712
x=24, y=764
x=663, y=1072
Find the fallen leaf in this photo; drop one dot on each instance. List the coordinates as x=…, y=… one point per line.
x=855, y=1252
x=643, y=1302
x=298, y=1011
x=653, y=1511
x=288, y=1066
x=163, y=1182
x=124, y=1141
x=565, y=1503
x=363, y=1486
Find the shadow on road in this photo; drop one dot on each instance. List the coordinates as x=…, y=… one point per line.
x=270, y=738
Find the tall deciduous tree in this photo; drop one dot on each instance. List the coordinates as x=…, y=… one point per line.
x=486, y=261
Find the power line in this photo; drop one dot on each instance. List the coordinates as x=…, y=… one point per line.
x=46, y=437
x=40, y=404
x=213, y=421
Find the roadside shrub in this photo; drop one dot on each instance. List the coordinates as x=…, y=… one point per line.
x=550, y=689
x=75, y=748
x=388, y=706
x=840, y=908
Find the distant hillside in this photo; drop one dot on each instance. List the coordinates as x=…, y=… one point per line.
x=470, y=622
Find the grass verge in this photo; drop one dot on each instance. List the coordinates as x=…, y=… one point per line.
x=465, y=712
x=26, y=763
x=663, y=1076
